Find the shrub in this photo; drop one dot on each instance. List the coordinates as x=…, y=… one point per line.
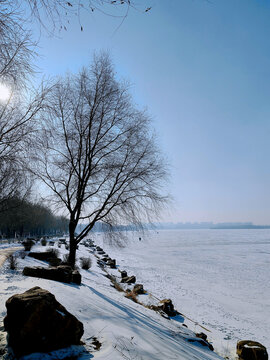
x=86, y=263
x=28, y=244
x=12, y=262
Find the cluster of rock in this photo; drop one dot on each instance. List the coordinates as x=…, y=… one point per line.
x=246, y=350
x=105, y=260
x=57, y=271
x=37, y=322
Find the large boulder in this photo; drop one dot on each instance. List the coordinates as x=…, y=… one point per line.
x=43, y=256
x=62, y=273
x=37, y=322
x=251, y=350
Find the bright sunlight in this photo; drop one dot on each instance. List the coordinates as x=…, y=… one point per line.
x=4, y=92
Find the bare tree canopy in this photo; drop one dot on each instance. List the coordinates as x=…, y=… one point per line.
x=17, y=53
x=16, y=46
x=97, y=153
x=56, y=13
x=17, y=116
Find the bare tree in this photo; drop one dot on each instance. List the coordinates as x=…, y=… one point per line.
x=16, y=46
x=55, y=14
x=17, y=126
x=97, y=153
x=17, y=54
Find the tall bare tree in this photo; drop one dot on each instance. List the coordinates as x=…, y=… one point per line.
x=17, y=54
x=17, y=126
x=19, y=110
x=97, y=153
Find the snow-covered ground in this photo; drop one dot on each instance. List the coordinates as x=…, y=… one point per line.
x=126, y=330
x=219, y=278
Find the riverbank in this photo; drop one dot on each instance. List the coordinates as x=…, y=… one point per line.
x=125, y=329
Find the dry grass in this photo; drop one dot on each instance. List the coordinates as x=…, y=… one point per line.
x=132, y=296
x=115, y=284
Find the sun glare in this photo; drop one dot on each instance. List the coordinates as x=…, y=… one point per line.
x=4, y=92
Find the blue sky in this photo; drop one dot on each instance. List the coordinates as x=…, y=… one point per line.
x=202, y=69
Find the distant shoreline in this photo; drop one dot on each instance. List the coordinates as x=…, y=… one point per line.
x=252, y=227
x=100, y=227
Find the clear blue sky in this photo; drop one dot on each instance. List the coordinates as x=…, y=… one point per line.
x=203, y=70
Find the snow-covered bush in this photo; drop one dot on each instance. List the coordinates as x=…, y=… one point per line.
x=86, y=263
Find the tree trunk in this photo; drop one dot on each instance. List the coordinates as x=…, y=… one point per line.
x=72, y=244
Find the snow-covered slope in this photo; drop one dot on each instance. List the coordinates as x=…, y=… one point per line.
x=125, y=329
x=219, y=278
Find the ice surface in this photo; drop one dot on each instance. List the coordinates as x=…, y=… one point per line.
x=218, y=278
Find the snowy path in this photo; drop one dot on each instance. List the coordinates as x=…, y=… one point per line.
x=4, y=253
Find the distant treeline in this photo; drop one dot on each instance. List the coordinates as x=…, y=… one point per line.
x=21, y=218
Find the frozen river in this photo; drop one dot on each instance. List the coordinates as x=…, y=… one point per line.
x=220, y=278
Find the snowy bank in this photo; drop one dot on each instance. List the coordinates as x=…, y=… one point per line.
x=125, y=329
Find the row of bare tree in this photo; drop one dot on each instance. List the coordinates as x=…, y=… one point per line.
x=28, y=219
x=81, y=136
